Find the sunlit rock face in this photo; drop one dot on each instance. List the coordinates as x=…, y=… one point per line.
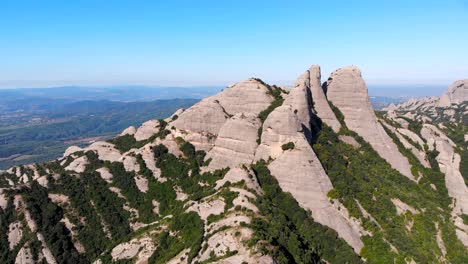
x=348, y=92
x=457, y=93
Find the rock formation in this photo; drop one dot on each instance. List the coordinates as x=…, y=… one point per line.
x=236, y=142
x=320, y=102
x=457, y=93
x=189, y=189
x=348, y=92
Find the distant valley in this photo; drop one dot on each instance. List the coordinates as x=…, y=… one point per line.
x=39, y=124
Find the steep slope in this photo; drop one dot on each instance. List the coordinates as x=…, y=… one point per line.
x=457, y=93
x=443, y=124
x=254, y=174
x=348, y=92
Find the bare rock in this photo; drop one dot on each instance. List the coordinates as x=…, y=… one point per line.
x=236, y=142
x=280, y=127
x=70, y=150
x=320, y=101
x=235, y=175
x=24, y=256
x=147, y=129
x=78, y=165
x=105, y=174
x=201, y=123
x=3, y=200
x=449, y=163
x=105, y=151
x=131, y=130
x=142, y=248
x=300, y=99
x=141, y=183
x=58, y=198
x=170, y=142
x=300, y=173
x=457, y=93
x=207, y=207
x=349, y=140
x=130, y=163
x=249, y=96
x=15, y=234
x=348, y=92
x=402, y=207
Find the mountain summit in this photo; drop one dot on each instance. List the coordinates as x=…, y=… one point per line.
x=255, y=174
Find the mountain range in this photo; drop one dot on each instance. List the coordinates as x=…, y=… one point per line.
x=256, y=173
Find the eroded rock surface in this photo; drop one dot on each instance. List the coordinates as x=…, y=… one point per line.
x=147, y=129
x=456, y=94
x=236, y=142
x=348, y=92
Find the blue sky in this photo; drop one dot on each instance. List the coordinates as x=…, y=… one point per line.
x=50, y=43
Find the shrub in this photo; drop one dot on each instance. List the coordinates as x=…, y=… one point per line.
x=288, y=146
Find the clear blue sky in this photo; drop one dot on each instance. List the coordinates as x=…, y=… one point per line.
x=48, y=43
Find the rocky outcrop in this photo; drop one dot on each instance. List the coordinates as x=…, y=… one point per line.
x=449, y=164
x=348, y=92
x=281, y=127
x=105, y=151
x=349, y=140
x=452, y=106
x=300, y=172
x=249, y=96
x=70, y=150
x=300, y=99
x=402, y=207
x=15, y=234
x=320, y=102
x=236, y=142
x=78, y=165
x=140, y=248
x=228, y=127
x=146, y=130
x=24, y=256
x=457, y=93
x=201, y=123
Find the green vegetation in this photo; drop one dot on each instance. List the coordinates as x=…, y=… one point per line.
x=362, y=175
x=74, y=124
x=47, y=216
x=457, y=132
x=7, y=216
x=126, y=142
x=288, y=146
x=189, y=228
x=287, y=231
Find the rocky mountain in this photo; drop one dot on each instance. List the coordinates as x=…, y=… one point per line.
x=451, y=107
x=255, y=174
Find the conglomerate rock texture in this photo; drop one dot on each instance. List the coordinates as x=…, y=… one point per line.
x=188, y=189
x=348, y=92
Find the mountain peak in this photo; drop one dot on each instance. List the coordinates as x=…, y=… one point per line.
x=253, y=174
x=456, y=94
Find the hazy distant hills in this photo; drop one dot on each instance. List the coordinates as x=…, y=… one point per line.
x=118, y=93
x=34, y=130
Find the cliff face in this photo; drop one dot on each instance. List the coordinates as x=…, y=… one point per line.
x=256, y=174
x=457, y=93
x=348, y=92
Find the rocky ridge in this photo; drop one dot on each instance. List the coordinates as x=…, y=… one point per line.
x=201, y=186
